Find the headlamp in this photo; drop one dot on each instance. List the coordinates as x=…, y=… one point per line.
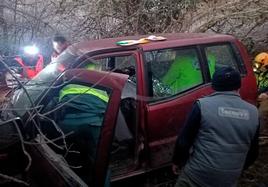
x=31, y=50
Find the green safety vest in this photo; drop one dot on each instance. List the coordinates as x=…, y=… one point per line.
x=262, y=81
x=183, y=74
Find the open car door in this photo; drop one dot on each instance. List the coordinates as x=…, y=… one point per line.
x=49, y=166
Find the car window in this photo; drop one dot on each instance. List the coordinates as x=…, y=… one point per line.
x=220, y=56
x=173, y=71
x=125, y=64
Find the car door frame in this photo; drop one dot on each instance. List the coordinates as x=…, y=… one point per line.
x=140, y=100
x=165, y=146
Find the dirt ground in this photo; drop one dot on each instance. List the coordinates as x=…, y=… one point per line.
x=257, y=174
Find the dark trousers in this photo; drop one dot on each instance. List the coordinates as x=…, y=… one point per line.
x=184, y=181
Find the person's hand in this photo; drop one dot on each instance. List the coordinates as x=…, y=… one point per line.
x=263, y=96
x=175, y=169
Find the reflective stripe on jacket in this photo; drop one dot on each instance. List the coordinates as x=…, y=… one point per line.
x=80, y=89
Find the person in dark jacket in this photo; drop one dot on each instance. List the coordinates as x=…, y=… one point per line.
x=220, y=136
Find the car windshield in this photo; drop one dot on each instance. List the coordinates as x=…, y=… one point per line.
x=23, y=98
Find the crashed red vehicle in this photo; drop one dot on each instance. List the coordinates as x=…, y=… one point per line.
x=151, y=88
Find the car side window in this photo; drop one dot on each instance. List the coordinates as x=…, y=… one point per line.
x=116, y=63
x=220, y=56
x=173, y=71
x=125, y=64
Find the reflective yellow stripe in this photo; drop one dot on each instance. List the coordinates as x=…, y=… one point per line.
x=80, y=89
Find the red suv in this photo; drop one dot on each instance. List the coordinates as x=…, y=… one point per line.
x=151, y=88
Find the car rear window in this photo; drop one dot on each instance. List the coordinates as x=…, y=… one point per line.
x=220, y=55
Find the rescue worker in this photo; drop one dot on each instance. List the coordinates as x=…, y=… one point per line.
x=214, y=147
x=183, y=74
x=261, y=72
x=30, y=63
x=83, y=112
x=59, y=45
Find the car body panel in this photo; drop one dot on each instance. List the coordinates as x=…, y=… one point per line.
x=161, y=121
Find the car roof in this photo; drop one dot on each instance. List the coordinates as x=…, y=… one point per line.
x=173, y=39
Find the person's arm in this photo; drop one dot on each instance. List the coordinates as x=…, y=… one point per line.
x=253, y=151
x=187, y=136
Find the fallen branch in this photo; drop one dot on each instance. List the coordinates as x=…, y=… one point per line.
x=13, y=179
x=23, y=148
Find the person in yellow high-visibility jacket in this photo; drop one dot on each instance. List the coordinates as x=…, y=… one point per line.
x=82, y=113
